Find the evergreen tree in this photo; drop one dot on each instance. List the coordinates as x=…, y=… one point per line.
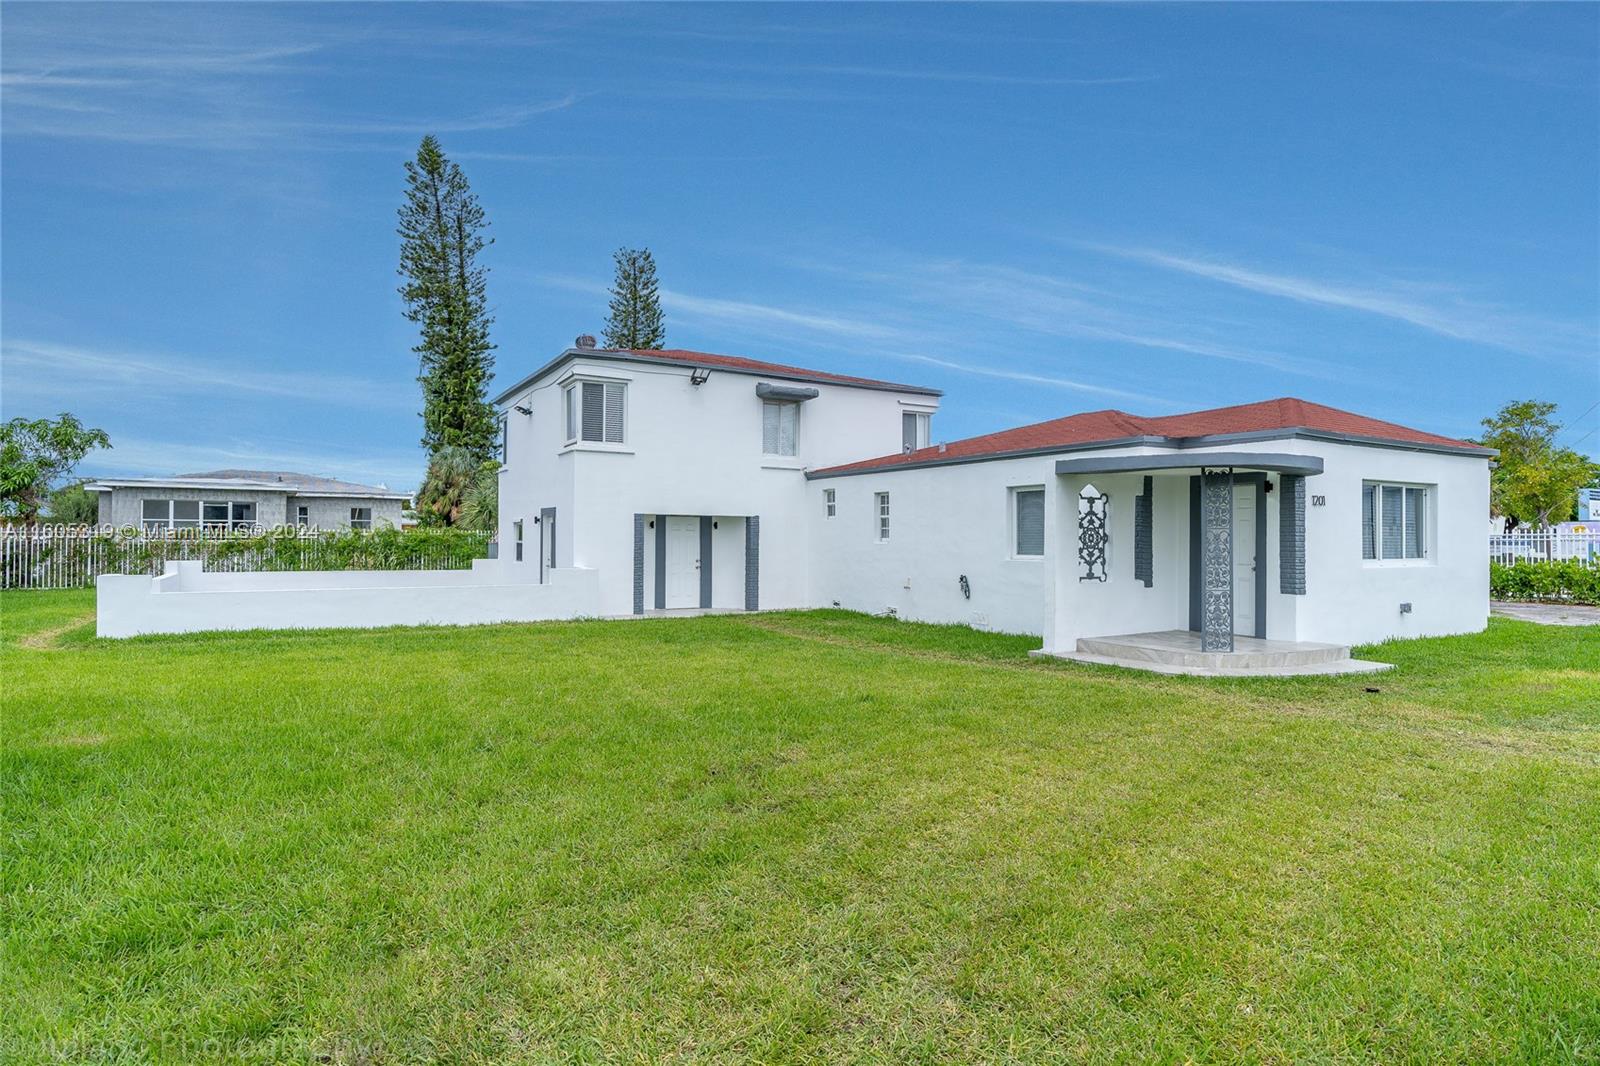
x=635, y=321
x=441, y=234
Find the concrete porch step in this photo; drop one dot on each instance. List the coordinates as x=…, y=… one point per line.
x=1178, y=651
x=1337, y=666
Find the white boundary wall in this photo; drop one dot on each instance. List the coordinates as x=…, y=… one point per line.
x=187, y=599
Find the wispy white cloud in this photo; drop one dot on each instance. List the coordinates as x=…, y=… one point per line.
x=975, y=77
x=1029, y=378
x=1456, y=318
x=858, y=335
x=43, y=371
x=1015, y=300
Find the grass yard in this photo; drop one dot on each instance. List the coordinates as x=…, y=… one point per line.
x=788, y=837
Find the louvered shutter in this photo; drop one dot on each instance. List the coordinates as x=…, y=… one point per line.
x=1030, y=522
x=1416, y=508
x=770, y=413
x=1369, y=522
x=594, y=403
x=1392, y=522
x=788, y=424
x=615, y=395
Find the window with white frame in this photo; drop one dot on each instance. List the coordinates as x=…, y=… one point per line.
x=505, y=439
x=360, y=518
x=1027, y=522
x=596, y=412
x=913, y=430
x=1394, y=521
x=780, y=427
x=516, y=529
x=830, y=503
x=882, y=509
x=302, y=516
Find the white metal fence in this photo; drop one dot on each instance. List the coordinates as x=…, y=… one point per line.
x=1538, y=545
x=59, y=557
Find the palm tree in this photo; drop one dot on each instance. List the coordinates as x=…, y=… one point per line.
x=480, y=508
x=444, y=486
x=458, y=492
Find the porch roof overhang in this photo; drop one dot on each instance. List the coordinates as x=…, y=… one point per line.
x=1277, y=462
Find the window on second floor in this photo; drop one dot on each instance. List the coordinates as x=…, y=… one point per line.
x=913, y=431
x=780, y=428
x=596, y=412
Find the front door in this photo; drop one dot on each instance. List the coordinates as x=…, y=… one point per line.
x=683, y=561
x=1244, y=559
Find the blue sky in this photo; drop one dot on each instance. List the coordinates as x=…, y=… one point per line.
x=1038, y=209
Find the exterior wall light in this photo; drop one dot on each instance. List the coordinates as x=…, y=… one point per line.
x=699, y=375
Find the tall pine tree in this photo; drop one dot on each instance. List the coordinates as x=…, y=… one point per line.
x=441, y=234
x=635, y=320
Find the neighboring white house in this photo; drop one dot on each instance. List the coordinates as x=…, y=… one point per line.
x=689, y=480
x=1267, y=535
x=245, y=499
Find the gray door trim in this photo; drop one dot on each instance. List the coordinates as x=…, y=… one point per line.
x=752, y=562
x=661, y=562
x=547, y=542
x=705, y=561
x=1259, y=480
x=638, y=563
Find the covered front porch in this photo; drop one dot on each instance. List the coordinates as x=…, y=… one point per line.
x=1172, y=560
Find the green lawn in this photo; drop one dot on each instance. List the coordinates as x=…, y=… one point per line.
x=788, y=837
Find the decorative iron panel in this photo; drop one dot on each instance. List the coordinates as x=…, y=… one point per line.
x=1092, y=536
x=1216, y=560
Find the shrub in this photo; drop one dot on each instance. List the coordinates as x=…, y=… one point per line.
x=1554, y=579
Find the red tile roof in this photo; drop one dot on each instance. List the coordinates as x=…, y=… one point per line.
x=1102, y=426
x=756, y=366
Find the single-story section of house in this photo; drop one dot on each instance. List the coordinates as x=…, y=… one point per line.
x=245, y=499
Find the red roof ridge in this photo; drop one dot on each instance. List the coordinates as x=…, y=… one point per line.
x=1280, y=414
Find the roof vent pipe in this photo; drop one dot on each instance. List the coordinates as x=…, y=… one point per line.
x=584, y=340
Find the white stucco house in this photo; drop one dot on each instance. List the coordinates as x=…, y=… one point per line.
x=691, y=480
x=1268, y=535
x=245, y=499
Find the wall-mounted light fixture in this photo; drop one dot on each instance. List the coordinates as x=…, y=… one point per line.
x=523, y=409
x=699, y=375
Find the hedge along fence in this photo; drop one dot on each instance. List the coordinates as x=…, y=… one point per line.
x=54, y=557
x=1563, y=580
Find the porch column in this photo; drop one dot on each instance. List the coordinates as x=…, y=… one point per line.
x=1216, y=560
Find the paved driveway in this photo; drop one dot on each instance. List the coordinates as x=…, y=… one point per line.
x=1549, y=614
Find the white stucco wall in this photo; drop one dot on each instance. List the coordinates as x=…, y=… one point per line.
x=945, y=521
x=186, y=599
x=690, y=450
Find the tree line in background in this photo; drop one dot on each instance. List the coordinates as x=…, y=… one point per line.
x=1534, y=481
x=445, y=292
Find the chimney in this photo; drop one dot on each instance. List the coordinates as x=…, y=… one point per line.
x=584, y=340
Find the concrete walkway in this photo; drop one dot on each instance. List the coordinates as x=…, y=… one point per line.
x=1548, y=614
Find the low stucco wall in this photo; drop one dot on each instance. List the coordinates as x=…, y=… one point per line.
x=187, y=599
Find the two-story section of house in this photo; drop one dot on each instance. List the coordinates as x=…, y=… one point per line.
x=680, y=476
